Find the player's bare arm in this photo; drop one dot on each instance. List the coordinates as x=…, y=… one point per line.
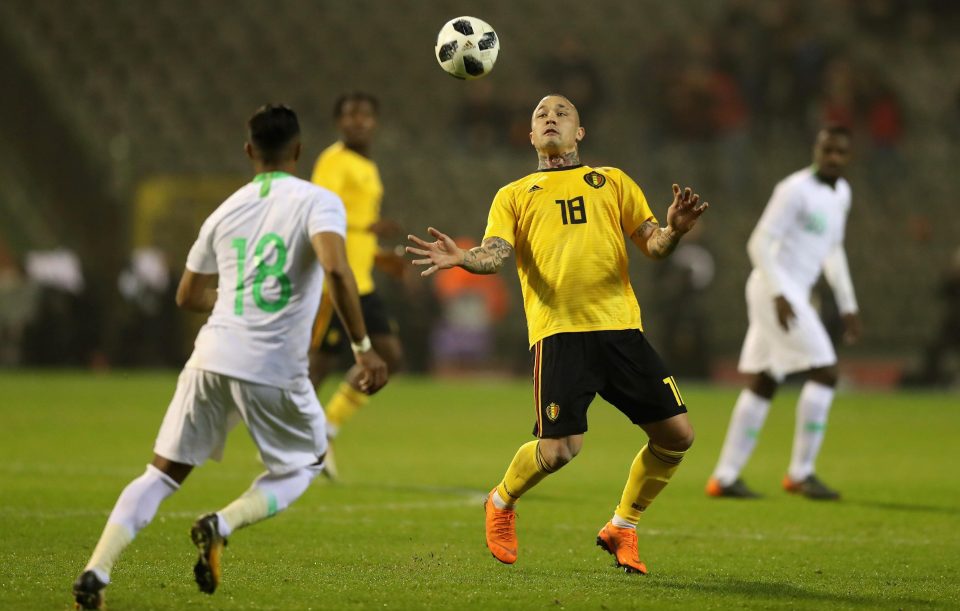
x=330, y=249
x=655, y=241
x=197, y=292
x=658, y=242
x=852, y=328
x=487, y=258
x=785, y=313
x=444, y=253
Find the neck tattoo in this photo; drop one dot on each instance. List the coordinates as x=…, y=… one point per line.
x=558, y=161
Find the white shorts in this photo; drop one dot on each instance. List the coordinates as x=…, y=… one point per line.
x=288, y=427
x=768, y=348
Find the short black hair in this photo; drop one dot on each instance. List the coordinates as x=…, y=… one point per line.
x=837, y=129
x=271, y=129
x=355, y=96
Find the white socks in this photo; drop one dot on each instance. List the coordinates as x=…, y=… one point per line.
x=812, y=409
x=621, y=523
x=139, y=501
x=498, y=501
x=134, y=509
x=269, y=495
x=747, y=419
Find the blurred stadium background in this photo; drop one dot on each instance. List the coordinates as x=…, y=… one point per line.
x=123, y=125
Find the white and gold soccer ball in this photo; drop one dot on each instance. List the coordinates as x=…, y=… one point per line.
x=467, y=47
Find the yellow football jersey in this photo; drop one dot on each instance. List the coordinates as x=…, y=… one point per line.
x=356, y=180
x=567, y=229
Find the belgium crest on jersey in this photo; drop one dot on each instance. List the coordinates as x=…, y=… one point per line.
x=552, y=411
x=595, y=179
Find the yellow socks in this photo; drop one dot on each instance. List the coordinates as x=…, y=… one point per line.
x=651, y=470
x=342, y=406
x=525, y=471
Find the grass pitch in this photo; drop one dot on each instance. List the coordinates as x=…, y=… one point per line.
x=404, y=529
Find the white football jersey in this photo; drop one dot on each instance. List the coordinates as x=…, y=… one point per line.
x=803, y=223
x=270, y=280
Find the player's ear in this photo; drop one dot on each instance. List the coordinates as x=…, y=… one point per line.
x=531, y=140
x=581, y=133
x=248, y=149
x=296, y=150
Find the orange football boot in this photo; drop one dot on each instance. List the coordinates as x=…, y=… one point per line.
x=737, y=490
x=501, y=531
x=622, y=543
x=811, y=487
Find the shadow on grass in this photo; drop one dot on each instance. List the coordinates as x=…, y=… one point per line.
x=909, y=507
x=777, y=591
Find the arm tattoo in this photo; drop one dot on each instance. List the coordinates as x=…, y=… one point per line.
x=662, y=241
x=487, y=258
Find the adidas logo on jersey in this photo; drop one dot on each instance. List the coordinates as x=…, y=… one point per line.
x=534, y=188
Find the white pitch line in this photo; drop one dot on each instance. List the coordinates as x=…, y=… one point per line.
x=472, y=500
x=335, y=515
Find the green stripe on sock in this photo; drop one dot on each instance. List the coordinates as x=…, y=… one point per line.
x=271, y=505
x=814, y=427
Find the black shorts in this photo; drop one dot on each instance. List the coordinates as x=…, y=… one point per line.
x=375, y=317
x=569, y=369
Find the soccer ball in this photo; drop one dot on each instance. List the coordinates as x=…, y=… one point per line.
x=467, y=47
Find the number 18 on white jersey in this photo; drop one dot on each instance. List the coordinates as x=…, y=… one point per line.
x=258, y=242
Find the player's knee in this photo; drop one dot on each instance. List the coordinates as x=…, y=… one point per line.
x=763, y=385
x=678, y=439
x=685, y=441
x=827, y=376
x=558, y=454
x=558, y=459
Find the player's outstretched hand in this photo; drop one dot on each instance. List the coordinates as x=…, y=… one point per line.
x=442, y=254
x=374, y=375
x=852, y=328
x=686, y=208
x=785, y=313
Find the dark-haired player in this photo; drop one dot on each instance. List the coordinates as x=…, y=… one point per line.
x=799, y=235
x=566, y=225
x=347, y=169
x=257, y=266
